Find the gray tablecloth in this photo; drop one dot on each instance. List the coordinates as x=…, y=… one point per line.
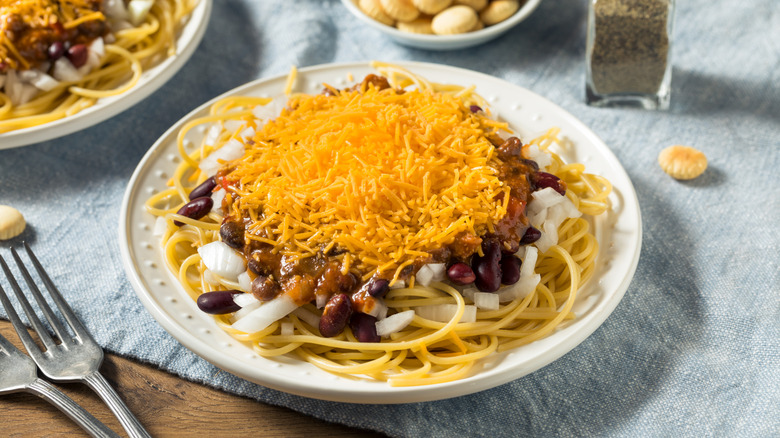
x=691, y=350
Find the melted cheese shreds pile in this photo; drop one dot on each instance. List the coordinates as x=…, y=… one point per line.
x=388, y=177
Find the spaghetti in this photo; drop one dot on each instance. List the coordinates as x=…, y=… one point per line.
x=59, y=57
x=400, y=197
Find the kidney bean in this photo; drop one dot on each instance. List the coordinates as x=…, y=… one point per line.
x=461, y=273
x=510, y=269
x=264, y=288
x=77, y=55
x=56, y=50
x=218, y=302
x=475, y=108
x=363, y=327
x=531, y=235
x=378, y=288
x=531, y=163
x=232, y=233
x=542, y=180
x=487, y=268
x=195, y=209
x=255, y=265
x=335, y=315
x=204, y=189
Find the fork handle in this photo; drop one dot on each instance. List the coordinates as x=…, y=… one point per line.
x=132, y=426
x=92, y=425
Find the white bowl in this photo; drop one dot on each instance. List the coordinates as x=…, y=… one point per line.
x=445, y=42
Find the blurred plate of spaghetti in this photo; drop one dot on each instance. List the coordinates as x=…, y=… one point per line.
x=60, y=92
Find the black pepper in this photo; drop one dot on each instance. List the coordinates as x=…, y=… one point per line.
x=628, y=48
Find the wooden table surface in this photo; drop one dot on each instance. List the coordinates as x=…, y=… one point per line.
x=166, y=405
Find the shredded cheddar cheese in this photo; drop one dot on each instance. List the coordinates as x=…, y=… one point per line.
x=386, y=176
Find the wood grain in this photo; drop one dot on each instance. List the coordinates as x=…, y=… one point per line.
x=166, y=405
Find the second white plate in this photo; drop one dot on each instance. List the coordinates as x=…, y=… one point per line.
x=150, y=81
x=618, y=232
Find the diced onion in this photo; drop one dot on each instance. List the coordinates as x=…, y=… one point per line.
x=95, y=53
x=65, y=71
x=486, y=300
x=210, y=278
x=18, y=91
x=399, y=284
x=468, y=293
x=548, y=238
x=244, y=300
x=39, y=80
x=248, y=133
x=529, y=261
x=138, y=10
x=528, y=280
x=424, y=276
x=232, y=150
x=431, y=272
x=288, y=329
x=394, y=323
x=212, y=134
x=160, y=225
x=244, y=282
x=265, y=315
x=379, y=310
x=547, y=197
x=245, y=310
x=307, y=316
x=218, y=196
x=543, y=159
x=222, y=259
x=115, y=9
x=521, y=289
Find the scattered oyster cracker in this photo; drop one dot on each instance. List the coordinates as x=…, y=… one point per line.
x=454, y=20
x=682, y=162
x=11, y=222
x=421, y=25
x=431, y=7
x=401, y=10
x=374, y=10
x=498, y=11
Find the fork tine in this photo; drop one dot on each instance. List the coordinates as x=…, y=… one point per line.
x=55, y=323
x=67, y=312
x=21, y=330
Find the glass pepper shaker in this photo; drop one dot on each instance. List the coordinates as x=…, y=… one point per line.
x=628, y=53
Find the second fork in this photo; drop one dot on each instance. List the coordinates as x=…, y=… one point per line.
x=77, y=356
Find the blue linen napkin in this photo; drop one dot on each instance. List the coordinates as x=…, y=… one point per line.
x=692, y=349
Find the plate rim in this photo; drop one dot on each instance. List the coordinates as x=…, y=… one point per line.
x=393, y=395
x=106, y=108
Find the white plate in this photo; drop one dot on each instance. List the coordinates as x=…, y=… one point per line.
x=618, y=232
x=445, y=42
x=150, y=80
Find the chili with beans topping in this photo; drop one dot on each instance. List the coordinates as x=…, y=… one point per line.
x=487, y=261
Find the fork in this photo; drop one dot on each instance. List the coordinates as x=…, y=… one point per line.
x=18, y=373
x=77, y=357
